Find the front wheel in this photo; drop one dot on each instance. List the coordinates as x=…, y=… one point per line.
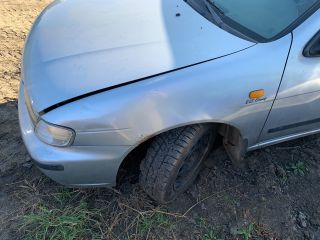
x=174, y=160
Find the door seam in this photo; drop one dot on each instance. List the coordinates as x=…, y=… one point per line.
x=275, y=98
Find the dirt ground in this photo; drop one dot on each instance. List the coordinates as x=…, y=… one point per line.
x=277, y=197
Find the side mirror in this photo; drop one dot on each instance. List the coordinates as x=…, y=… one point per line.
x=313, y=47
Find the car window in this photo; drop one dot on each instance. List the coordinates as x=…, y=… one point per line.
x=257, y=20
x=264, y=17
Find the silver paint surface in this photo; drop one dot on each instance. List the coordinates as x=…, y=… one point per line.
x=78, y=46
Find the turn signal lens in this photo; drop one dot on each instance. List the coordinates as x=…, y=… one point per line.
x=54, y=135
x=257, y=94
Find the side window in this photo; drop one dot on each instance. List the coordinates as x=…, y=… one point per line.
x=313, y=47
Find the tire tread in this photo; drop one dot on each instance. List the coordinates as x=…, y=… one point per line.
x=163, y=156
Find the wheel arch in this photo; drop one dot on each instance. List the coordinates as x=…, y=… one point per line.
x=232, y=140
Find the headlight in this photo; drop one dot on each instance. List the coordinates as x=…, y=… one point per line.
x=54, y=135
x=33, y=115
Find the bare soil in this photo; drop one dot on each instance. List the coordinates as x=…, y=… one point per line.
x=276, y=197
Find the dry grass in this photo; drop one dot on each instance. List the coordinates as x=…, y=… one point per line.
x=41, y=209
x=91, y=214
x=33, y=207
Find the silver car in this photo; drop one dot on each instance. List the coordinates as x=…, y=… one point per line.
x=105, y=80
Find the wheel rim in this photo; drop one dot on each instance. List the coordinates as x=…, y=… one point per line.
x=192, y=163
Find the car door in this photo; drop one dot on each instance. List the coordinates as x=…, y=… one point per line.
x=296, y=110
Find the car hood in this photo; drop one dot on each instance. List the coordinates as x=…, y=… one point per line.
x=78, y=46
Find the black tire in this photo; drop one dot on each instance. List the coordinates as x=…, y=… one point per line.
x=174, y=160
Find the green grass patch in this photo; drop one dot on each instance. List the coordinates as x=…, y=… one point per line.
x=247, y=231
x=154, y=220
x=60, y=220
x=298, y=168
x=208, y=231
x=211, y=235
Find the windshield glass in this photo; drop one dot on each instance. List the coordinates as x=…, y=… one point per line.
x=265, y=18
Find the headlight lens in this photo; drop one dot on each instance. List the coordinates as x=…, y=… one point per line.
x=54, y=135
x=33, y=115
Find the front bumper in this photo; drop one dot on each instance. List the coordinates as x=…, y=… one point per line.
x=75, y=165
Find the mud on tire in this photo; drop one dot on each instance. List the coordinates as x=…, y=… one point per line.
x=174, y=160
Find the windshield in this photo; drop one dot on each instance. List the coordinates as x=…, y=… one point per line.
x=263, y=18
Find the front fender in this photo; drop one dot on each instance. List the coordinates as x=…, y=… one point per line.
x=215, y=91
